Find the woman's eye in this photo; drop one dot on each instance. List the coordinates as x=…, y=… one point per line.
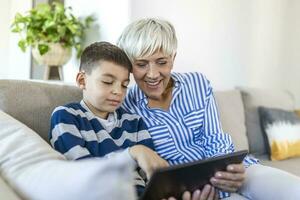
x=162, y=63
x=141, y=64
x=107, y=82
x=125, y=85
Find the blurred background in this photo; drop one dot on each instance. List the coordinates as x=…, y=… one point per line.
x=234, y=43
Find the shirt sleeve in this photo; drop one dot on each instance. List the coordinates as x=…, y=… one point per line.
x=65, y=135
x=216, y=141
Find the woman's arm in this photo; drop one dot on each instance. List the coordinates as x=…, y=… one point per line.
x=216, y=143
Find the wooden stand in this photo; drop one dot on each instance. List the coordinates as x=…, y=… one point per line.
x=53, y=72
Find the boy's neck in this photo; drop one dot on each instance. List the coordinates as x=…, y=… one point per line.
x=95, y=111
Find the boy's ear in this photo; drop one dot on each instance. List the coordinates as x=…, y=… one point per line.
x=80, y=80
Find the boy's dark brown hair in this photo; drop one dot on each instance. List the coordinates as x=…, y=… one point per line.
x=103, y=51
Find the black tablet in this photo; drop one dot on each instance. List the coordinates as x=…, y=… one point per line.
x=174, y=180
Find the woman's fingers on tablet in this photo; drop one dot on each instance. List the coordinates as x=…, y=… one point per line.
x=230, y=176
x=196, y=195
x=236, y=168
x=186, y=196
x=209, y=193
x=205, y=192
x=170, y=198
x=226, y=185
x=212, y=194
x=216, y=197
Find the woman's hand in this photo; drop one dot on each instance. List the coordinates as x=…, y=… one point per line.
x=207, y=193
x=231, y=180
x=147, y=159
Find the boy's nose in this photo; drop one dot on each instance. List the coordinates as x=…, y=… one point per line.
x=117, y=89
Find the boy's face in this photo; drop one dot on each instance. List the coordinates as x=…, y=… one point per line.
x=104, y=88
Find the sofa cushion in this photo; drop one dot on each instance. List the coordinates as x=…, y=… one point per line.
x=282, y=129
x=252, y=98
x=232, y=116
x=297, y=112
x=36, y=171
x=290, y=165
x=32, y=102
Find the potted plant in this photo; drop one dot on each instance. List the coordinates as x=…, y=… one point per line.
x=52, y=31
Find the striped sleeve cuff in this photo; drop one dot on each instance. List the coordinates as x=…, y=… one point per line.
x=250, y=160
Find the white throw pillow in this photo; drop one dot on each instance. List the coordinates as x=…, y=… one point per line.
x=6, y=193
x=36, y=171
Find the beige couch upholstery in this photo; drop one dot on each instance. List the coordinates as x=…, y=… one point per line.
x=32, y=103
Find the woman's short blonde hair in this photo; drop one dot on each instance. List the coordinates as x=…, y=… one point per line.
x=147, y=36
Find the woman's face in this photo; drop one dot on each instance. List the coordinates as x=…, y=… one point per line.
x=152, y=74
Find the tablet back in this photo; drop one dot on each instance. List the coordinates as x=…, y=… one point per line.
x=174, y=180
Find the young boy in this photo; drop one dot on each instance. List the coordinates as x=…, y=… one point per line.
x=97, y=126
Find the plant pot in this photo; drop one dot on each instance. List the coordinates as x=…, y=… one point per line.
x=56, y=56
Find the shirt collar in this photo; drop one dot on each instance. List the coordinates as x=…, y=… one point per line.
x=140, y=95
x=111, y=116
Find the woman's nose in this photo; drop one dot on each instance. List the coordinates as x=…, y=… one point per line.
x=153, y=72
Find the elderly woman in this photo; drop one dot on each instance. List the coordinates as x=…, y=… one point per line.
x=182, y=117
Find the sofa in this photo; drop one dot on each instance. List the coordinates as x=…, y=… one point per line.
x=31, y=103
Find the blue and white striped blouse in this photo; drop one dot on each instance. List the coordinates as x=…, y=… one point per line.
x=190, y=130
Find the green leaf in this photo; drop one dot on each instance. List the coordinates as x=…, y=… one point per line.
x=22, y=45
x=58, y=7
x=42, y=9
x=43, y=48
x=50, y=23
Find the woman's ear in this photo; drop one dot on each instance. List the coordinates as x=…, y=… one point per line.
x=80, y=80
x=174, y=56
x=173, y=59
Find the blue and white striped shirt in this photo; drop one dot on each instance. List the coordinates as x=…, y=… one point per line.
x=190, y=130
x=77, y=133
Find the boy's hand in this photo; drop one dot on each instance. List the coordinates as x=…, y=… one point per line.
x=147, y=159
x=231, y=180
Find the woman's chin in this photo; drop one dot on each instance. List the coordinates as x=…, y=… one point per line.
x=154, y=95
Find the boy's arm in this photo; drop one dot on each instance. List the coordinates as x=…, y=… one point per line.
x=147, y=159
x=216, y=143
x=143, y=135
x=65, y=135
x=144, y=152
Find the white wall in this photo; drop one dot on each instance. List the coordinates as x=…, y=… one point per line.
x=234, y=43
x=213, y=35
x=17, y=63
x=4, y=34
x=291, y=50
x=112, y=17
